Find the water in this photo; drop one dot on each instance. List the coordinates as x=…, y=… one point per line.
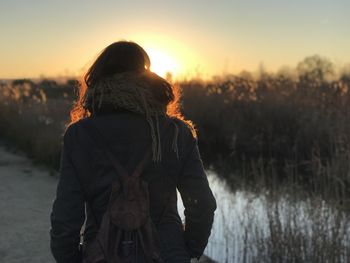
x=242, y=220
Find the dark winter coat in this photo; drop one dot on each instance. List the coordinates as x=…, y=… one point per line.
x=86, y=175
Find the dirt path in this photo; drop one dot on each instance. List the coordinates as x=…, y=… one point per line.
x=26, y=195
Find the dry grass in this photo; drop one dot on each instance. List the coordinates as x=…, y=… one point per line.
x=274, y=130
x=32, y=121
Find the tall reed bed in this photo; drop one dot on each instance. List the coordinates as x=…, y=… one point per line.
x=33, y=121
x=264, y=132
x=274, y=130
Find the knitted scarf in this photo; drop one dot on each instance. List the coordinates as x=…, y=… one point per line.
x=132, y=91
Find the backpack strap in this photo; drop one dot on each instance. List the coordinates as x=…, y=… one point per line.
x=138, y=169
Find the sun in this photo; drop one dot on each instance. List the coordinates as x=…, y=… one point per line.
x=162, y=63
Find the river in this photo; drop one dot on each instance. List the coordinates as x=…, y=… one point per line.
x=247, y=227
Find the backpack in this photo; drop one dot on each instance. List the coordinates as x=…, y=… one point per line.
x=126, y=233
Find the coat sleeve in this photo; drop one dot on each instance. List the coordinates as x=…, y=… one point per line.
x=198, y=201
x=68, y=210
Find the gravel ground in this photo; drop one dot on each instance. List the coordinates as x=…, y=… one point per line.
x=26, y=195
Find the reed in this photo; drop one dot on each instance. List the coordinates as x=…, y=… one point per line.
x=272, y=136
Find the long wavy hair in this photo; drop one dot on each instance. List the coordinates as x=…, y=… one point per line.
x=119, y=57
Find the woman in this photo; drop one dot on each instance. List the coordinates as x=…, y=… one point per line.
x=132, y=108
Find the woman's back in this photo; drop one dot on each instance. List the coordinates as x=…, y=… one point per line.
x=130, y=110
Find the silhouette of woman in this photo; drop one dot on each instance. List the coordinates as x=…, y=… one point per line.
x=132, y=108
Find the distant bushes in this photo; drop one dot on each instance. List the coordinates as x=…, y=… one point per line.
x=292, y=128
x=273, y=129
x=272, y=118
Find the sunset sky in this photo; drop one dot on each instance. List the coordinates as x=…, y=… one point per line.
x=56, y=38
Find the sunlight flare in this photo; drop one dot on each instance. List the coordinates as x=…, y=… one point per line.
x=162, y=63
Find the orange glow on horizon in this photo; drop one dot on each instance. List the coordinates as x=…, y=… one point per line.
x=168, y=55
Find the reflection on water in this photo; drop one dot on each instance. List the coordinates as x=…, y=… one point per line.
x=246, y=225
